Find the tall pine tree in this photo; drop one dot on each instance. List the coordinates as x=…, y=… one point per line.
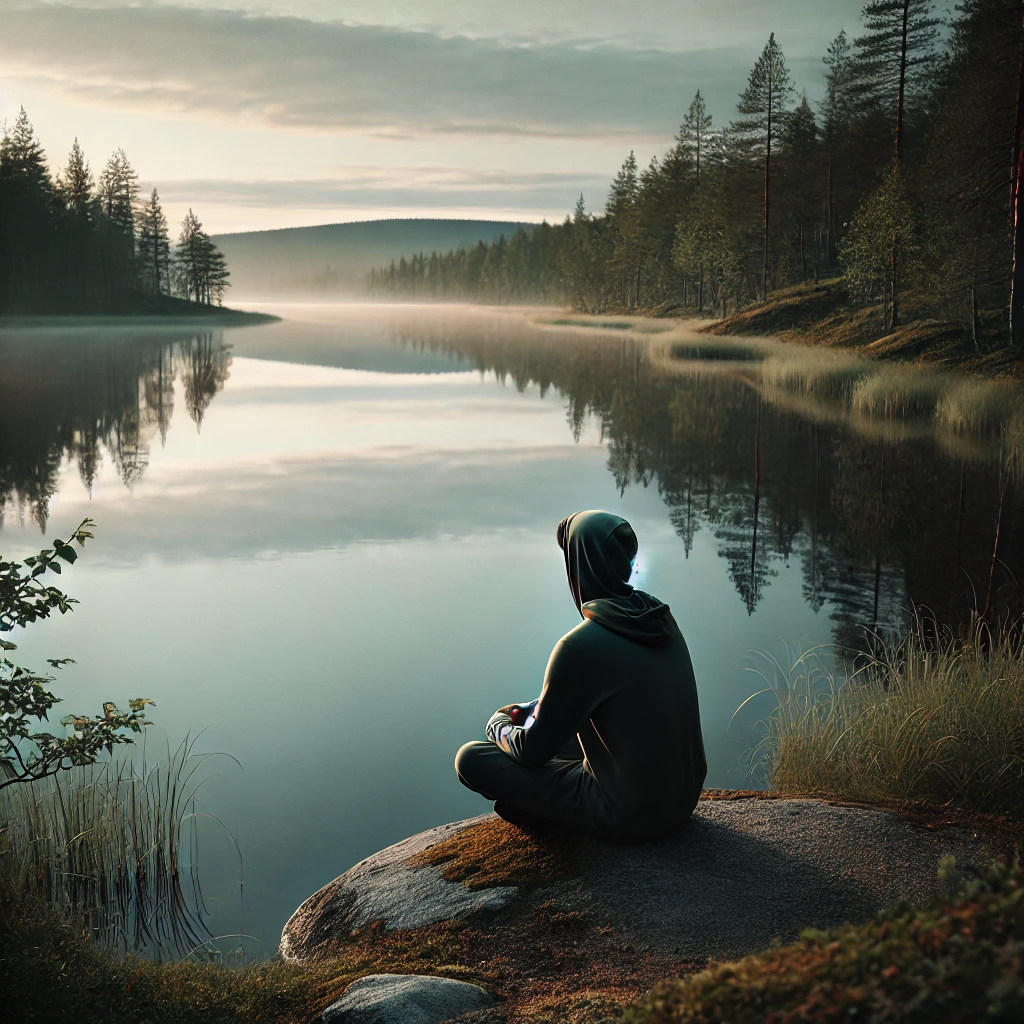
x=895, y=54
x=763, y=104
x=154, y=247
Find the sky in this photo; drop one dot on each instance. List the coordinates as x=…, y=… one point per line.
x=276, y=113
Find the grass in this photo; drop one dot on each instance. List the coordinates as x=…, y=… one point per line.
x=49, y=971
x=897, y=392
x=941, y=723
x=971, y=405
x=957, y=960
x=107, y=846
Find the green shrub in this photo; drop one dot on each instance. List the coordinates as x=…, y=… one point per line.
x=958, y=960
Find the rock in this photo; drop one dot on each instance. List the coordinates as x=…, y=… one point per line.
x=390, y=887
x=406, y=999
x=575, y=928
x=741, y=874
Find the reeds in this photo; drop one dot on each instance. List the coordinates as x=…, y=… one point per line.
x=938, y=722
x=110, y=847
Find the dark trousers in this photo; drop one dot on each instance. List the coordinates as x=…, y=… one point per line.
x=560, y=791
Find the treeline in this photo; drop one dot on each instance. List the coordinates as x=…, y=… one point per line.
x=69, y=242
x=904, y=178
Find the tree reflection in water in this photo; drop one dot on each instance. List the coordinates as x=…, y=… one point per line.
x=883, y=512
x=87, y=393
x=883, y=516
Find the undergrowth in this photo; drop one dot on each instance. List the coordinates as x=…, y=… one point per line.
x=49, y=971
x=957, y=960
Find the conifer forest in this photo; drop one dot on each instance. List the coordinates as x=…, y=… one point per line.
x=902, y=181
x=74, y=242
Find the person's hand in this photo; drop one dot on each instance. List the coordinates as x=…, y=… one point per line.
x=518, y=712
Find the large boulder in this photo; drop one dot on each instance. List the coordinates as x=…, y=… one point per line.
x=406, y=999
x=551, y=920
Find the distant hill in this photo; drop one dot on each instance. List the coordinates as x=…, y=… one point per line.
x=333, y=259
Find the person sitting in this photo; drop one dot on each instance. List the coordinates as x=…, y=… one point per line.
x=613, y=746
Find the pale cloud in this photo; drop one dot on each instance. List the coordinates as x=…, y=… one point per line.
x=402, y=188
x=333, y=77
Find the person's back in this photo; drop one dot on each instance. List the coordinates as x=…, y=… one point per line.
x=642, y=740
x=615, y=748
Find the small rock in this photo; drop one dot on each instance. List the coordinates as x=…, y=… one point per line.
x=405, y=999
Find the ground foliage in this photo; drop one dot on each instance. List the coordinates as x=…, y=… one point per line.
x=958, y=959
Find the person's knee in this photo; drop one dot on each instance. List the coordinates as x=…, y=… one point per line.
x=468, y=759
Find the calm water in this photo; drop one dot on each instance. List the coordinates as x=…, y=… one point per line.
x=329, y=543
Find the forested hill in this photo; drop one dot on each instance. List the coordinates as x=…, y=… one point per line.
x=903, y=187
x=333, y=259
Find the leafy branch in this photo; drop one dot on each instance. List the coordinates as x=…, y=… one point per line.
x=25, y=697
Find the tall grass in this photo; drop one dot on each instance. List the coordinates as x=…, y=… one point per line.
x=939, y=722
x=110, y=847
x=896, y=391
x=973, y=405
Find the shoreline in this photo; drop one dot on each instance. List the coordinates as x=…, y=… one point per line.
x=226, y=318
x=819, y=315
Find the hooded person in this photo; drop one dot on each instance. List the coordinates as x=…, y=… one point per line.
x=613, y=745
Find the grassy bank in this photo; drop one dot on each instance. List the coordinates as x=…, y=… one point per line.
x=49, y=972
x=939, y=723
x=822, y=313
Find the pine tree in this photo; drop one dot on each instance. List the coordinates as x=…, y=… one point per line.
x=799, y=136
x=693, y=132
x=624, y=187
x=22, y=158
x=119, y=191
x=154, y=247
x=895, y=54
x=763, y=103
x=201, y=271
x=76, y=187
x=27, y=203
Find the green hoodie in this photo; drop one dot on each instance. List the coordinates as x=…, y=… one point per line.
x=621, y=682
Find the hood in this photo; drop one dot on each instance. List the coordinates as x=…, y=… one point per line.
x=599, y=549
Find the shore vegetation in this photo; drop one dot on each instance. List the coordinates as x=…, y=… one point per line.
x=926, y=719
x=957, y=959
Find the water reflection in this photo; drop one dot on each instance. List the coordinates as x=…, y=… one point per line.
x=888, y=505
x=775, y=454
x=330, y=540
x=77, y=395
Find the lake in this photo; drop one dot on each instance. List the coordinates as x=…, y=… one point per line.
x=328, y=544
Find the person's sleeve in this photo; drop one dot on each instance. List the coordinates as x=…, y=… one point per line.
x=565, y=704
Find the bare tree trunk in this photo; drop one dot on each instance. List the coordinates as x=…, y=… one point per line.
x=975, y=318
x=829, y=242
x=903, y=84
x=767, y=194
x=803, y=257
x=1017, y=180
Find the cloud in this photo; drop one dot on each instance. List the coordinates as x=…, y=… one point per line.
x=397, y=188
x=309, y=504
x=291, y=72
